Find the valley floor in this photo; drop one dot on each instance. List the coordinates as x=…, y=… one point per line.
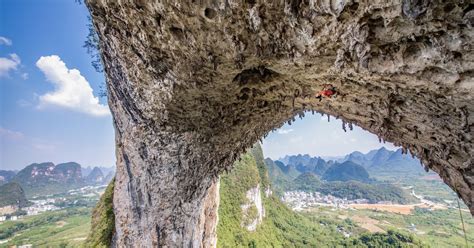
x=437, y=228
x=61, y=228
x=435, y=219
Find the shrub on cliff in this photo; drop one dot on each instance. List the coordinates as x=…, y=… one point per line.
x=103, y=222
x=390, y=239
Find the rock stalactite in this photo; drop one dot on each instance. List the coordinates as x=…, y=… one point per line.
x=192, y=84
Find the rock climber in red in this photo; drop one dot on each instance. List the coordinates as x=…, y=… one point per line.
x=328, y=91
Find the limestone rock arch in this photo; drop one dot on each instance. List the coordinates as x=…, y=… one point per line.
x=192, y=84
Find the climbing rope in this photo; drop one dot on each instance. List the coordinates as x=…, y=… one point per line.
x=462, y=221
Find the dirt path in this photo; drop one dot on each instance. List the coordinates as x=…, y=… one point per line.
x=60, y=223
x=367, y=223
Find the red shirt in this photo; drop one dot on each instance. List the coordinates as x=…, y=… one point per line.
x=327, y=93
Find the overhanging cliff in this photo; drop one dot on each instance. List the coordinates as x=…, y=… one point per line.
x=193, y=84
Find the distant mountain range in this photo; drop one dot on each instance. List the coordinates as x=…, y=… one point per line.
x=86, y=171
x=347, y=177
x=38, y=175
x=383, y=159
x=96, y=176
x=48, y=178
x=374, y=161
x=306, y=163
x=6, y=176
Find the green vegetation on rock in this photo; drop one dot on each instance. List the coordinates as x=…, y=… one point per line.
x=103, y=222
x=281, y=227
x=307, y=182
x=257, y=153
x=280, y=175
x=347, y=171
x=390, y=239
x=12, y=194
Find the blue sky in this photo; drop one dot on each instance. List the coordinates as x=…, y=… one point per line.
x=315, y=136
x=49, y=109
x=47, y=112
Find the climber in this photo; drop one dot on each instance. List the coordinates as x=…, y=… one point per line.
x=327, y=91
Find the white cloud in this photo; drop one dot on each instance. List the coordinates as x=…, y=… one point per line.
x=72, y=91
x=24, y=76
x=10, y=134
x=9, y=64
x=5, y=41
x=284, y=131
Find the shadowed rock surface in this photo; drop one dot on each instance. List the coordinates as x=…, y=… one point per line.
x=193, y=84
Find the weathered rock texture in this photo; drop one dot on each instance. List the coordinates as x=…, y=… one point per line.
x=209, y=217
x=253, y=210
x=193, y=83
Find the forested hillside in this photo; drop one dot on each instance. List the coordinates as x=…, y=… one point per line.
x=12, y=194
x=282, y=227
x=347, y=171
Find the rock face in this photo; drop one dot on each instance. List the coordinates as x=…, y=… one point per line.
x=193, y=83
x=209, y=218
x=253, y=210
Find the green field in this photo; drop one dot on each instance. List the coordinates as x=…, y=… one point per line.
x=439, y=228
x=69, y=228
x=62, y=228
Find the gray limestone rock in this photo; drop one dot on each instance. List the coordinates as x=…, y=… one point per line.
x=192, y=84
